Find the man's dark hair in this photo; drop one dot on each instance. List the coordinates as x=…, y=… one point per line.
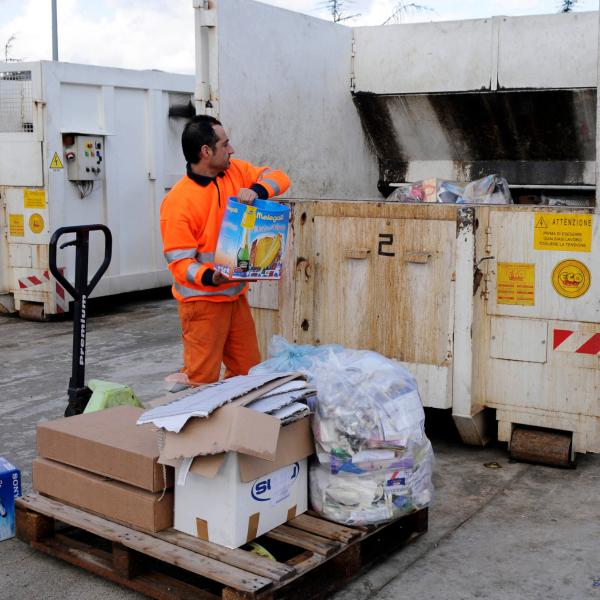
x=197, y=133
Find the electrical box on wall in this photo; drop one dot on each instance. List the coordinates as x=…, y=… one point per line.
x=84, y=155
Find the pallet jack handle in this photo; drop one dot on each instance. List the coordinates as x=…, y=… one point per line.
x=79, y=393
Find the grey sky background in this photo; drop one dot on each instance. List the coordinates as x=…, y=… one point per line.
x=159, y=34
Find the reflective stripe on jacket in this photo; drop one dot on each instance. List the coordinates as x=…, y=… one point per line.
x=190, y=220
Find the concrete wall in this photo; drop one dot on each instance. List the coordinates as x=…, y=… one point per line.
x=284, y=97
x=548, y=51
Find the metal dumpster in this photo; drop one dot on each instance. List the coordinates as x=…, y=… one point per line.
x=494, y=308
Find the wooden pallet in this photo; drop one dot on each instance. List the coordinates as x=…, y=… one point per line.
x=315, y=556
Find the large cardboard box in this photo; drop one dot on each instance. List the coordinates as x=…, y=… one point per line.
x=111, y=499
x=10, y=489
x=256, y=480
x=107, y=443
x=252, y=240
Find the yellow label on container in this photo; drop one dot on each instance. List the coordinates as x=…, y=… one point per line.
x=249, y=218
x=571, y=278
x=34, y=198
x=566, y=232
x=36, y=223
x=516, y=284
x=16, y=225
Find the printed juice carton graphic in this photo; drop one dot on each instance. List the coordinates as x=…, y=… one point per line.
x=10, y=489
x=252, y=240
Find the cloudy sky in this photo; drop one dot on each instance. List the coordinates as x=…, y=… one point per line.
x=159, y=34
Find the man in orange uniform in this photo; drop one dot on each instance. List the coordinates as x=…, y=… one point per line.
x=216, y=322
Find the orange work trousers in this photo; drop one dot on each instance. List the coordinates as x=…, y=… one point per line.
x=215, y=333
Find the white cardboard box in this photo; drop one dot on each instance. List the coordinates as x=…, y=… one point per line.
x=240, y=472
x=228, y=511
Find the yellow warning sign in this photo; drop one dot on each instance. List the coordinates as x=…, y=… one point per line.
x=56, y=163
x=566, y=232
x=571, y=278
x=34, y=198
x=36, y=223
x=16, y=225
x=516, y=284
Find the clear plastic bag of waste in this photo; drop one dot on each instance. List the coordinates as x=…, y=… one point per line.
x=374, y=459
x=492, y=189
x=285, y=357
x=407, y=192
x=372, y=497
x=428, y=190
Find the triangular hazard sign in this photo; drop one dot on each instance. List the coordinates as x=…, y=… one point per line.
x=541, y=223
x=56, y=162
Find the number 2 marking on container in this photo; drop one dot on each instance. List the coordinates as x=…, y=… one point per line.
x=385, y=239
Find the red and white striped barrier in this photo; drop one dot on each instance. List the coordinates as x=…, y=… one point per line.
x=29, y=281
x=579, y=342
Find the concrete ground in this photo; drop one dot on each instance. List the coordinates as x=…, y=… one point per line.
x=514, y=532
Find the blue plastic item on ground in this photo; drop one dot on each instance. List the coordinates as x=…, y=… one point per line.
x=10, y=490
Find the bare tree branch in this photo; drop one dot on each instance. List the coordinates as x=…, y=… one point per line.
x=336, y=9
x=567, y=5
x=7, y=47
x=402, y=9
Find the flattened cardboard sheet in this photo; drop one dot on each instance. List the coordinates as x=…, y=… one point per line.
x=204, y=401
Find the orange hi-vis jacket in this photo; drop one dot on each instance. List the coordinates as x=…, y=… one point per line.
x=190, y=220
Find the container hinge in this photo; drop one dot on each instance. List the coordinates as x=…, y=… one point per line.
x=488, y=240
x=3, y=207
x=207, y=14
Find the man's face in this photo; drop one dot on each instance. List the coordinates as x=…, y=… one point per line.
x=219, y=160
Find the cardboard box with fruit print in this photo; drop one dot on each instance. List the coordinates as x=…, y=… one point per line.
x=252, y=240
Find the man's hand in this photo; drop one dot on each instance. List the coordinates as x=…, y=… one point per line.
x=219, y=279
x=247, y=196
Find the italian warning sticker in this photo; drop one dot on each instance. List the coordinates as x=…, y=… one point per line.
x=566, y=232
x=571, y=278
x=56, y=163
x=516, y=284
x=16, y=225
x=36, y=223
x=34, y=198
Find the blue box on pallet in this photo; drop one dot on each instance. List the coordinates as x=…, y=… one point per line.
x=10, y=489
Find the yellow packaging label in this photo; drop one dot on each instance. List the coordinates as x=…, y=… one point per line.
x=516, y=284
x=16, y=225
x=249, y=218
x=566, y=232
x=34, y=198
x=36, y=223
x=571, y=278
